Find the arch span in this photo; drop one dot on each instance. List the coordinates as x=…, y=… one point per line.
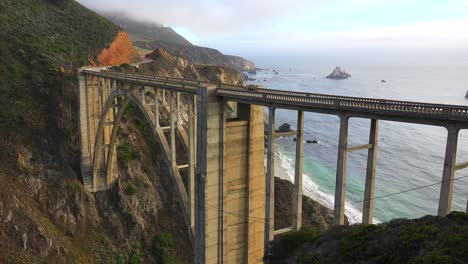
x=104, y=158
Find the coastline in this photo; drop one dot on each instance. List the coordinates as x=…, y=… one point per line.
x=284, y=169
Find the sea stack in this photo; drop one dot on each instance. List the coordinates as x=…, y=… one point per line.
x=338, y=74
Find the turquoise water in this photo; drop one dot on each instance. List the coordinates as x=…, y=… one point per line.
x=409, y=155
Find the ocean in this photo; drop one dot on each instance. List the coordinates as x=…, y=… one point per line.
x=409, y=155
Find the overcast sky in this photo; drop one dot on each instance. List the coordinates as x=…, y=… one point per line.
x=307, y=25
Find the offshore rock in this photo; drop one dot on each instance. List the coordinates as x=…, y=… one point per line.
x=285, y=128
x=338, y=74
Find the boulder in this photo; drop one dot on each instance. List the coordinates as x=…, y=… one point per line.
x=285, y=128
x=338, y=74
x=253, y=72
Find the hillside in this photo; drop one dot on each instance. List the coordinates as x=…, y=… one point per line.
x=430, y=239
x=46, y=216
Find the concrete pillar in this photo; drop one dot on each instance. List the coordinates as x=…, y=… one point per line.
x=172, y=113
x=446, y=188
x=340, y=188
x=156, y=108
x=200, y=179
x=270, y=183
x=256, y=184
x=84, y=126
x=143, y=95
x=179, y=119
x=297, y=196
x=191, y=160
x=368, y=209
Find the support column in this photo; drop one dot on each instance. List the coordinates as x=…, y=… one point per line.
x=446, y=188
x=143, y=95
x=340, y=188
x=191, y=160
x=270, y=183
x=85, y=131
x=368, y=209
x=297, y=202
x=156, y=108
x=172, y=128
x=179, y=119
x=200, y=183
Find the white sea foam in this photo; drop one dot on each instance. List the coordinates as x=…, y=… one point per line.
x=311, y=189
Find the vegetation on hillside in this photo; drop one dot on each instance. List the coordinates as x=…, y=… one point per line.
x=41, y=43
x=430, y=239
x=46, y=215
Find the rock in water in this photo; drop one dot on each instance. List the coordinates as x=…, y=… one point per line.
x=338, y=74
x=285, y=128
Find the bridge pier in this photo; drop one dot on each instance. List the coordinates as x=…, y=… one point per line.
x=340, y=188
x=298, y=171
x=446, y=188
x=368, y=208
x=270, y=182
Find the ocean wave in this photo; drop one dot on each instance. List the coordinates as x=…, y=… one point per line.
x=311, y=189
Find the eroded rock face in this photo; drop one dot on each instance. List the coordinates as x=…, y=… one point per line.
x=165, y=64
x=338, y=74
x=120, y=51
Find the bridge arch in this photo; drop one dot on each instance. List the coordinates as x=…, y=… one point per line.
x=105, y=161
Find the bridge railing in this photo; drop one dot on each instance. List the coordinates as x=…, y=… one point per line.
x=147, y=80
x=298, y=99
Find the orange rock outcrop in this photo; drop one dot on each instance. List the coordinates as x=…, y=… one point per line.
x=120, y=51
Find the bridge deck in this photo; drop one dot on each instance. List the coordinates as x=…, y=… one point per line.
x=393, y=110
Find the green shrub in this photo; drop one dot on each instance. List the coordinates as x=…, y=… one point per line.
x=163, y=246
x=135, y=256
x=290, y=242
x=131, y=189
x=125, y=154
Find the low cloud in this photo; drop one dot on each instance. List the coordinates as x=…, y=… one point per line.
x=204, y=16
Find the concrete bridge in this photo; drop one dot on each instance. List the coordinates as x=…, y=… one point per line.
x=226, y=198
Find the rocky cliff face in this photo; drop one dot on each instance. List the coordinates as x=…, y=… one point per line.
x=240, y=63
x=313, y=214
x=165, y=64
x=199, y=55
x=120, y=51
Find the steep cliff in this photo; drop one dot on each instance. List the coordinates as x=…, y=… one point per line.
x=46, y=216
x=120, y=51
x=165, y=64
x=199, y=55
